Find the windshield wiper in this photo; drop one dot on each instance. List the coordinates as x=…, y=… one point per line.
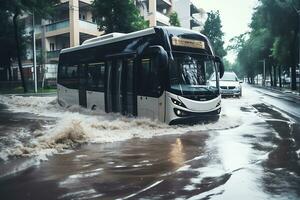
x=206, y=87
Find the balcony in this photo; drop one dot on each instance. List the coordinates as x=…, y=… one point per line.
x=86, y=25
x=164, y=3
x=53, y=54
x=195, y=22
x=57, y=25
x=194, y=9
x=162, y=18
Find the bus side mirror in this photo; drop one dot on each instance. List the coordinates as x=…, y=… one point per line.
x=160, y=54
x=220, y=65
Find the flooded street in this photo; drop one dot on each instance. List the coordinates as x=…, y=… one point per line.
x=251, y=152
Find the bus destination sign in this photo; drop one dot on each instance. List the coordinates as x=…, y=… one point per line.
x=176, y=41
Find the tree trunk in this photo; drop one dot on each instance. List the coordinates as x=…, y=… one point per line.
x=275, y=76
x=295, y=60
x=270, y=74
x=9, y=72
x=279, y=75
x=19, y=50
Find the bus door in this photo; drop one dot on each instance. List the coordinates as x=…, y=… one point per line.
x=112, y=92
x=129, y=88
x=120, y=95
x=82, y=86
x=151, y=99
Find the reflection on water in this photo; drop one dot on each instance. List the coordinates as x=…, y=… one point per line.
x=177, y=156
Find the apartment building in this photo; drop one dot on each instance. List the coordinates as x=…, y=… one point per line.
x=190, y=16
x=156, y=12
x=71, y=24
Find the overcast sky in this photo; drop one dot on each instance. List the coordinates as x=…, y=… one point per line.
x=235, y=15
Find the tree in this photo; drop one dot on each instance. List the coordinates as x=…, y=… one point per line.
x=213, y=30
x=117, y=16
x=273, y=39
x=7, y=47
x=15, y=8
x=174, y=21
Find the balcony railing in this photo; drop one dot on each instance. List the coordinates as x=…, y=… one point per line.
x=53, y=54
x=162, y=18
x=165, y=3
x=88, y=25
x=194, y=9
x=195, y=22
x=57, y=25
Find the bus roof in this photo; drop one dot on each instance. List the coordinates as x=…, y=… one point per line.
x=116, y=37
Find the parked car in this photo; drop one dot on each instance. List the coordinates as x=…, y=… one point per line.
x=230, y=85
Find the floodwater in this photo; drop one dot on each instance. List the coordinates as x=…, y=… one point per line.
x=251, y=152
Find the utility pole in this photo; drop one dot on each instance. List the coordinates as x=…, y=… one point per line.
x=34, y=54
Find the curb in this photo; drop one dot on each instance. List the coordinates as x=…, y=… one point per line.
x=32, y=94
x=288, y=93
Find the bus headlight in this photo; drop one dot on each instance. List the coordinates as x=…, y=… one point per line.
x=180, y=113
x=178, y=103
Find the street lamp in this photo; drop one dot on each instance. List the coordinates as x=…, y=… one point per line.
x=34, y=54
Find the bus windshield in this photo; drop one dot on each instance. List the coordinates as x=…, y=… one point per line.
x=189, y=74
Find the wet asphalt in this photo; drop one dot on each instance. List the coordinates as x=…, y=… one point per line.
x=259, y=159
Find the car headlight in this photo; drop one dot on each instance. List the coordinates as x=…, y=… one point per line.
x=178, y=103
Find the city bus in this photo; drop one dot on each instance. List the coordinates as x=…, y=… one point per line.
x=160, y=73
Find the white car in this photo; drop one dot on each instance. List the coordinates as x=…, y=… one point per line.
x=230, y=85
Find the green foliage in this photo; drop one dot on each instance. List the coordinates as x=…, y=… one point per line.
x=174, y=21
x=7, y=47
x=10, y=11
x=273, y=37
x=118, y=16
x=213, y=30
x=237, y=43
x=42, y=8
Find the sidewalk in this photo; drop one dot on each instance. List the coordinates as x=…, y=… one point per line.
x=32, y=94
x=41, y=92
x=281, y=91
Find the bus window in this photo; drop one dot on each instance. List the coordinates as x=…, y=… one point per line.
x=149, y=80
x=95, y=76
x=68, y=76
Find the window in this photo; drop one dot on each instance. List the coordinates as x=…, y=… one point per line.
x=129, y=77
x=52, y=46
x=189, y=74
x=149, y=80
x=82, y=16
x=95, y=76
x=68, y=76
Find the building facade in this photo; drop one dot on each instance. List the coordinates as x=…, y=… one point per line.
x=189, y=15
x=71, y=24
x=156, y=12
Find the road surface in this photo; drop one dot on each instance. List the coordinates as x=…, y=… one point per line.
x=251, y=152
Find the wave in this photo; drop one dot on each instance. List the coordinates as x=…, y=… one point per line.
x=75, y=126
